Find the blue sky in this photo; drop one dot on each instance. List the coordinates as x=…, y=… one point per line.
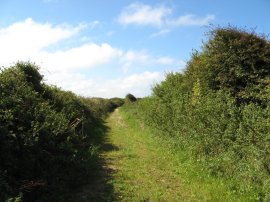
x=97, y=48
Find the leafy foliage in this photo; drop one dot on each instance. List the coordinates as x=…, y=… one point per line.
x=100, y=106
x=218, y=109
x=130, y=98
x=236, y=61
x=47, y=136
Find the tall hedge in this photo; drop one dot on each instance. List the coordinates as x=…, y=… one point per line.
x=218, y=109
x=237, y=61
x=47, y=137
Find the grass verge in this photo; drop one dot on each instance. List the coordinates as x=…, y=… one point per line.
x=146, y=168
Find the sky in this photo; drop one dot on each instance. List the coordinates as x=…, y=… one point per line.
x=101, y=48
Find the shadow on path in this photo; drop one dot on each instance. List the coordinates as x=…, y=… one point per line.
x=100, y=186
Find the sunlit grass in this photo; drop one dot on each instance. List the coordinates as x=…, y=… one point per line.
x=148, y=169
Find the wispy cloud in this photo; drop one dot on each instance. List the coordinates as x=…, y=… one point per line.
x=160, y=33
x=190, y=20
x=142, y=14
x=93, y=24
x=131, y=59
x=160, y=17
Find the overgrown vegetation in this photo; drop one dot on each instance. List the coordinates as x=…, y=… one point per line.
x=157, y=169
x=48, y=137
x=218, y=109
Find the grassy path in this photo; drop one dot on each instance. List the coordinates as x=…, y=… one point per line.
x=142, y=168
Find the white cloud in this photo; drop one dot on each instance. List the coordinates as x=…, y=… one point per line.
x=24, y=39
x=142, y=14
x=82, y=57
x=159, y=16
x=29, y=40
x=39, y=42
x=165, y=60
x=160, y=33
x=144, y=58
x=135, y=59
x=137, y=84
x=92, y=25
x=135, y=56
x=191, y=20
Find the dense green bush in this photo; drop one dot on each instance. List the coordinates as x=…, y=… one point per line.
x=236, y=61
x=47, y=136
x=219, y=108
x=130, y=98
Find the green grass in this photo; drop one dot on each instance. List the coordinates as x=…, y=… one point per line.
x=146, y=168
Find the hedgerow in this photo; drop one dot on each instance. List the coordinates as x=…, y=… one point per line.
x=218, y=109
x=48, y=137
